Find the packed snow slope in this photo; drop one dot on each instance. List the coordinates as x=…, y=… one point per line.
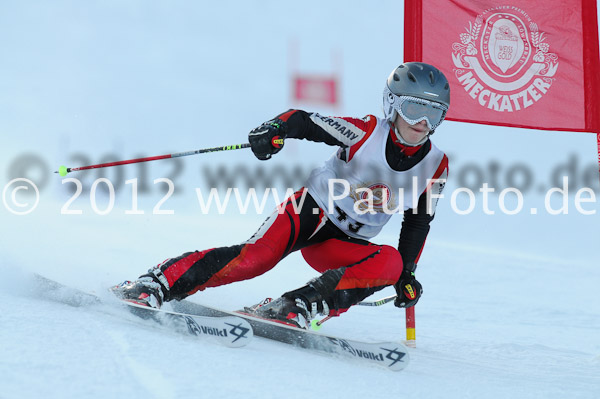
x=510, y=307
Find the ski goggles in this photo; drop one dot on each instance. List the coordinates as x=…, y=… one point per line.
x=414, y=110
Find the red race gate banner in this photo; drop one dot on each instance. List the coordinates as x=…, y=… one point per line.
x=531, y=64
x=315, y=89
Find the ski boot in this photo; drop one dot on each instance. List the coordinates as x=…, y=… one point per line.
x=144, y=291
x=295, y=308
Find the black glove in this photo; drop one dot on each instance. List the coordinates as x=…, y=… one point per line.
x=409, y=290
x=267, y=139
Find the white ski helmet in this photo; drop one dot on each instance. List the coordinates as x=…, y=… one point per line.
x=416, y=91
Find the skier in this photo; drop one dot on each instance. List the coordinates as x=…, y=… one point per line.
x=381, y=165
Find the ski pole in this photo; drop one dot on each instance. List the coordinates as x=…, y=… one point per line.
x=63, y=170
x=379, y=302
x=317, y=324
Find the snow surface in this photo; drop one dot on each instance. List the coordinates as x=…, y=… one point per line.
x=511, y=305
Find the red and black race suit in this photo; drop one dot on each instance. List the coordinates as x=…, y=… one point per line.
x=352, y=269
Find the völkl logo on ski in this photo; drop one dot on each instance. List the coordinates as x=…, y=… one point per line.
x=238, y=331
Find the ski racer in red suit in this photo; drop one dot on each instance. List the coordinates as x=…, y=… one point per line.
x=381, y=165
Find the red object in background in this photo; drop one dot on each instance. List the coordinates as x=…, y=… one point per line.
x=598, y=138
x=528, y=64
x=315, y=89
x=531, y=64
